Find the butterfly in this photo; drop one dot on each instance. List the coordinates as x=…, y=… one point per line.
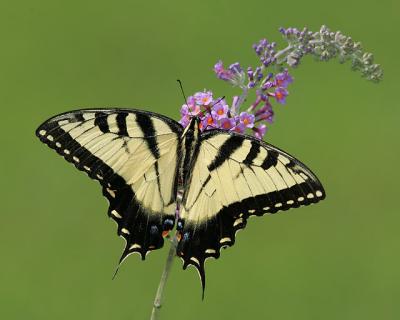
x=158, y=175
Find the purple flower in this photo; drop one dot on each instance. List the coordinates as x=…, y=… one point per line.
x=280, y=95
x=265, y=113
x=268, y=85
x=258, y=74
x=250, y=73
x=251, y=84
x=203, y=98
x=220, y=110
x=184, y=110
x=240, y=128
x=266, y=61
x=265, y=51
x=227, y=123
x=267, y=107
x=188, y=111
x=235, y=67
x=260, y=47
x=283, y=79
x=289, y=31
x=194, y=110
x=208, y=122
x=260, y=131
x=219, y=67
x=247, y=119
x=184, y=121
x=223, y=73
x=191, y=108
x=262, y=96
x=191, y=101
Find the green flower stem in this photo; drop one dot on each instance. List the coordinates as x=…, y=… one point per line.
x=242, y=99
x=281, y=53
x=155, y=313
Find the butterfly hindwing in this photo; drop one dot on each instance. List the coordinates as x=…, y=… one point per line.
x=134, y=156
x=233, y=177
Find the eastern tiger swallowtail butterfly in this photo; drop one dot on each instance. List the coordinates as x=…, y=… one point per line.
x=142, y=159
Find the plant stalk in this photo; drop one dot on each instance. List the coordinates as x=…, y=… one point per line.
x=155, y=313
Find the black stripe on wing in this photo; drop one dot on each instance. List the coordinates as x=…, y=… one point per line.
x=253, y=153
x=227, y=149
x=101, y=121
x=146, y=125
x=121, y=122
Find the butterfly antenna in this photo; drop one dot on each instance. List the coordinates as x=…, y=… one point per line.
x=218, y=101
x=183, y=92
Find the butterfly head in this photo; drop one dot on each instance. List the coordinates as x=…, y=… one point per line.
x=195, y=122
x=193, y=128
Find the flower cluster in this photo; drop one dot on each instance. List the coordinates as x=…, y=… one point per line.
x=271, y=78
x=325, y=45
x=215, y=113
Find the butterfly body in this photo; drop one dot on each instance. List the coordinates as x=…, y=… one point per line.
x=144, y=160
x=190, y=141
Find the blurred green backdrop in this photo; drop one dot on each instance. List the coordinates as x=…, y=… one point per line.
x=336, y=260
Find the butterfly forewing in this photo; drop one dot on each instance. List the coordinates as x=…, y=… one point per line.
x=235, y=176
x=134, y=156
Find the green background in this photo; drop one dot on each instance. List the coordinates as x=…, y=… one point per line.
x=335, y=260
